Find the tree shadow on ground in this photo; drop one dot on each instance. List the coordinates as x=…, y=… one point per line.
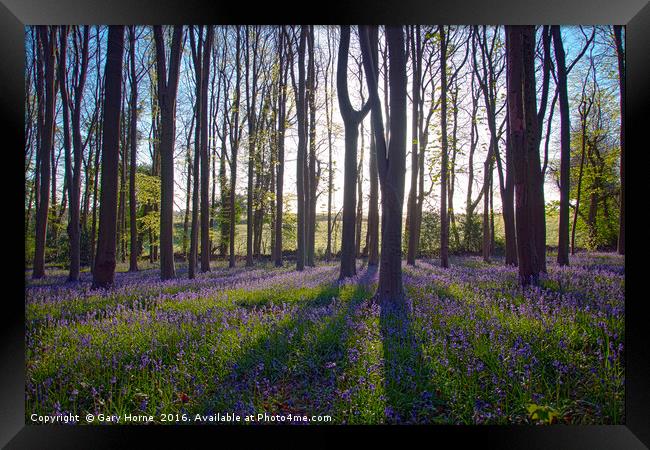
x=409, y=384
x=293, y=369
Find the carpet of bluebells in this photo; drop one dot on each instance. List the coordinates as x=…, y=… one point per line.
x=468, y=347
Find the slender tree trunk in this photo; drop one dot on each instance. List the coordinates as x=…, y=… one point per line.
x=487, y=179
x=444, y=219
x=584, y=110
x=133, y=254
x=470, y=205
x=302, y=150
x=391, y=160
x=621, y=77
x=522, y=118
x=565, y=150
x=205, y=163
x=251, y=95
x=47, y=39
x=234, y=145
x=223, y=192
x=452, y=168
x=188, y=190
x=104, y=272
x=329, y=106
x=357, y=238
x=167, y=88
x=121, y=211
x=373, y=201
x=65, y=103
x=282, y=105
x=313, y=177
x=93, y=233
x=508, y=203
x=411, y=220
x=197, y=57
x=351, y=120
x=74, y=226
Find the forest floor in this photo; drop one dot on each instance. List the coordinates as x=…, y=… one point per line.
x=470, y=346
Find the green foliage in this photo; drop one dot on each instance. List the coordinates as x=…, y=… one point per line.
x=472, y=232
x=147, y=193
x=430, y=233
x=470, y=235
x=542, y=414
x=147, y=189
x=289, y=228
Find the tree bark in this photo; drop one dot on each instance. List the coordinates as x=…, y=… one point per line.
x=47, y=39
x=351, y=120
x=282, y=105
x=373, y=201
x=521, y=117
x=251, y=96
x=133, y=134
x=104, y=271
x=391, y=160
x=65, y=103
x=565, y=149
x=197, y=57
x=312, y=176
x=167, y=88
x=621, y=77
x=302, y=150
x=235, y=135
x=205, y=157
x=329, y=106
x=411, y=207
x=444, y=219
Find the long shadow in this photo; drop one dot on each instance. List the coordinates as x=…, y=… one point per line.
x=292, y=370
x=409, y=384
x=369, y=275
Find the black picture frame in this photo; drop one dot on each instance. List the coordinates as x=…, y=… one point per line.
x=15, y=14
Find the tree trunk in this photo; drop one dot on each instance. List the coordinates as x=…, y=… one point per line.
x=391, y=160
x=47, y=39
x=302, y=150
x=121, y=212
x=411, y=209
x=188, y=191
x=621, y=77
x=444, y=219
x=351, y=120
x=487, y=179
x=519, y=53
x=167, y=88
x=205, y=157
x=235, y=135
x=508, y=206
x=329, y=106
x=133, y=134
x=104, y=271
x=372, y=231
x=73, y=234
x=359, y=222
x=250, y=111
x=312, y=176
x=282, y=105
x=565, y=150
x=197, y=57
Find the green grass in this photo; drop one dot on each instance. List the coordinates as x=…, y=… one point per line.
x=469, y=347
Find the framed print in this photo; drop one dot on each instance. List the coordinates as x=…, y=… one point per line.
x=391, y=220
